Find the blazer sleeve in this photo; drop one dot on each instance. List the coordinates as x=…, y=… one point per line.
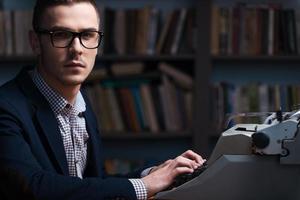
x=22, y=177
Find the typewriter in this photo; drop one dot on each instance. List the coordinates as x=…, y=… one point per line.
x=249, y=161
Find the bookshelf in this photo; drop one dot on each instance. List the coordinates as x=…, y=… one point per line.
x=273, y=75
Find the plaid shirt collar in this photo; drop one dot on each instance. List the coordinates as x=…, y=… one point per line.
x=56, y=101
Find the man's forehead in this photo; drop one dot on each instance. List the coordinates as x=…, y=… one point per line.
x=78, y=14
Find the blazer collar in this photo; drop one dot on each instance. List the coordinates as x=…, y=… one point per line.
x=94, y=160
x=45, y=118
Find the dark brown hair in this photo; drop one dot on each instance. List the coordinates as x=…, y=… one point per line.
x=42, y=5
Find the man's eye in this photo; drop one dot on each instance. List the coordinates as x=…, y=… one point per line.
x=62, y=35
x=88, y=35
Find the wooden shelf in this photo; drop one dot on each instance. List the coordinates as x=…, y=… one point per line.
x=150, y=76
x=254, y=59
x=146, y=58
x=146, y=135
x=17, y=59
x=230, y=58
x=107, y=58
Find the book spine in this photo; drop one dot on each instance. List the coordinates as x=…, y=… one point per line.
x=149, y=108
x=178, y=31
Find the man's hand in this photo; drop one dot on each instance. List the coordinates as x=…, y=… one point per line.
x=162, y=176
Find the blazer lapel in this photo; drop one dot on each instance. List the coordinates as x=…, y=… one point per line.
x=94, y=160
x=50, y=128
x=45, y=118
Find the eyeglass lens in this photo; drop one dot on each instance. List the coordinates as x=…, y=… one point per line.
x=89, y=39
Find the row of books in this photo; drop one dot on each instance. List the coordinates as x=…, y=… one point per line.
x=140, y=104
x=255, y=29
x=121, y=166
x=14, y=28
x=239, y=101
x=144, y=31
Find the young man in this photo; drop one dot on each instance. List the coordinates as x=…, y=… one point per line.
x=49, y=141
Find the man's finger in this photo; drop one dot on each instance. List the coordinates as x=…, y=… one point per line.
x=194, y=156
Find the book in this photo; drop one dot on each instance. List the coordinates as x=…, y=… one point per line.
x=121, y=166
x=2, y=33
x=97, y=75
x=28, y=14
x=264, y=30
x=180, y=77
x=171, y=34
x=120, y=27
x=117, y=120
x=163, y=34
x=179, y=31
x=104, y=111
x=109, y=39
x=9, y=32
x=142, y=29
x=149, y=108
x=129, y=110
x=297, y=23
x=189, y=39
x=188, y=106
x=131, y=30
x=152, y=31
x=139, y=109
x=91, y=94
x=158, y=105
x=127, y=68
x=270, y=32
x=291, y=31
x=224, y=30
x=250, y=30
x=215, y=30
x=18, y=38
x=236, y=29
x=171, y=105
x=165, y=108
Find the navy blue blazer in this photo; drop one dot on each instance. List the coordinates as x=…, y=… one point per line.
x=32, y=157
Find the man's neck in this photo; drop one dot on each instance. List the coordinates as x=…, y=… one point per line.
x=69, y=92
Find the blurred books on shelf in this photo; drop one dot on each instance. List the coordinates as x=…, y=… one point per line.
x=142, y=104
x=132, y=68
x=121, y=166
x=231, y=99
x=178, y=76
x=137, y=32
x=14, y=27
x=254, y=29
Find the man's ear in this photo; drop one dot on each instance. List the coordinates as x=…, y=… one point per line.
x=34, y=42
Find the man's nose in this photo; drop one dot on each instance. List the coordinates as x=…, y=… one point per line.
x=76, y=45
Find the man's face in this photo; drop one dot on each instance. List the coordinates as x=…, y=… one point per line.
x=67, y=66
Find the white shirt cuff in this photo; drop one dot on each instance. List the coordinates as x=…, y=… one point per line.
x=140, y=189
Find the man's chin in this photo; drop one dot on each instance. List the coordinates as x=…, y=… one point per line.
x=73, y=81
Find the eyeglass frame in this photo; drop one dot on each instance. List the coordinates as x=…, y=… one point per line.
x=74, y=35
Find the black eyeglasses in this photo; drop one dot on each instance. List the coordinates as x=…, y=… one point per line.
x=63, y=38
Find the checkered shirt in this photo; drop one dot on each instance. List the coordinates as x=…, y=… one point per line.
x=73, y=131
x=71, y=125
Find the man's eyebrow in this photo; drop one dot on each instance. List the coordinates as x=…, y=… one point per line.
x=69, y=29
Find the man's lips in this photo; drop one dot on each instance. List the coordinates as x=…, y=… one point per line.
x=75, y=64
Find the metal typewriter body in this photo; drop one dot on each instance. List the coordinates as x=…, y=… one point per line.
x=249, y=161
